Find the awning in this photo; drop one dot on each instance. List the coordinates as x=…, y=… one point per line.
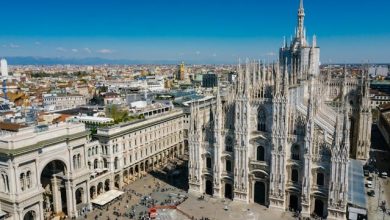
x=107, y=197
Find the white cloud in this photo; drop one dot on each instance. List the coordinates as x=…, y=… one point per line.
x=105, y=51
x=11, y=45
x=87, y=50
x=61, y=49
x=75, y=50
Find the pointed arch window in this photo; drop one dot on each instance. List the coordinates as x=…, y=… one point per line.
x=320, y=179
x=294, y=175
x=261, y=118
x=22, y=181
x=228, y=166
x=295, y=152
x=260, y=154
x=208, y=163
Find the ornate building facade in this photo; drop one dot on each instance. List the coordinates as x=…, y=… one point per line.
x=280, y=136
x=60, y=170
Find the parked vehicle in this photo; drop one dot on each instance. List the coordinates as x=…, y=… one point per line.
x=384, y=174
x=369, y=185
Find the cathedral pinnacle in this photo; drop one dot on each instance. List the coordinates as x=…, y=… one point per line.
x=301, y=15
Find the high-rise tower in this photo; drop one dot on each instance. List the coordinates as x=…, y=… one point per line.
x=4, y=68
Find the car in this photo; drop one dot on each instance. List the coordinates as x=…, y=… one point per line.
x=371, y=193
x=366, y=173
x=369, y=178
x=369, y=185
x=384, y=174
x=369, y=182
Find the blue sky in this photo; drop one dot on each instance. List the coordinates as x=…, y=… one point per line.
x=192, y=30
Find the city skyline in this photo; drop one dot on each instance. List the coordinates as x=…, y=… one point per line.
x=197, y=32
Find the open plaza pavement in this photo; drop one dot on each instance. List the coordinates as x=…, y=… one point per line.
x=159, y=189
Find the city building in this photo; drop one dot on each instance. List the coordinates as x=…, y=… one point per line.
x=37, y=171
x=4, y=68
x=280, y=137
x=57, y=170
x=59, y=102
x=384, y=122
x=209, y=80
x=379, y=98
x=376, y=71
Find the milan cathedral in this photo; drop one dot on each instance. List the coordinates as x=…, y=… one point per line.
x=283, y=134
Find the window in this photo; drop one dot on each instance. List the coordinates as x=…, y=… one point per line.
x=74, y=162
x=208, y=163
x=320, y=179
x=116, y=161
x=105, y=163
x=95, y=164
x=260, y=153
x=261, y=118
x=22, y=181
x=28, y=179
x=228, y=166
x=295, y=152
x=294, y=175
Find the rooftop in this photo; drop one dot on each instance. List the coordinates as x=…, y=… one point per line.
x=32, y=137
x=11, y=126
x=117, y=129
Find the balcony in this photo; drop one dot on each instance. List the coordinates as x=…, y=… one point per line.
x=291, y=184
x=258, y=165
x=322, y=189
x=207, y=171
x=227, y=174
x=227, y=153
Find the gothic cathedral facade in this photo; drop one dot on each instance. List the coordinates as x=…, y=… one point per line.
x=283, y=134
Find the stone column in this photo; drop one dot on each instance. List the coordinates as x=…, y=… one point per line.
x=19, y=214
x=120, y=181
x=88, y=193
x=112, y=182
x=70, y=200
x=57, y=205
x=41, y=211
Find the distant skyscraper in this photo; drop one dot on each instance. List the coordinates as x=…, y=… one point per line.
x=4, y=67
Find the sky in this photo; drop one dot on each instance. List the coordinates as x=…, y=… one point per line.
x=209, y=31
